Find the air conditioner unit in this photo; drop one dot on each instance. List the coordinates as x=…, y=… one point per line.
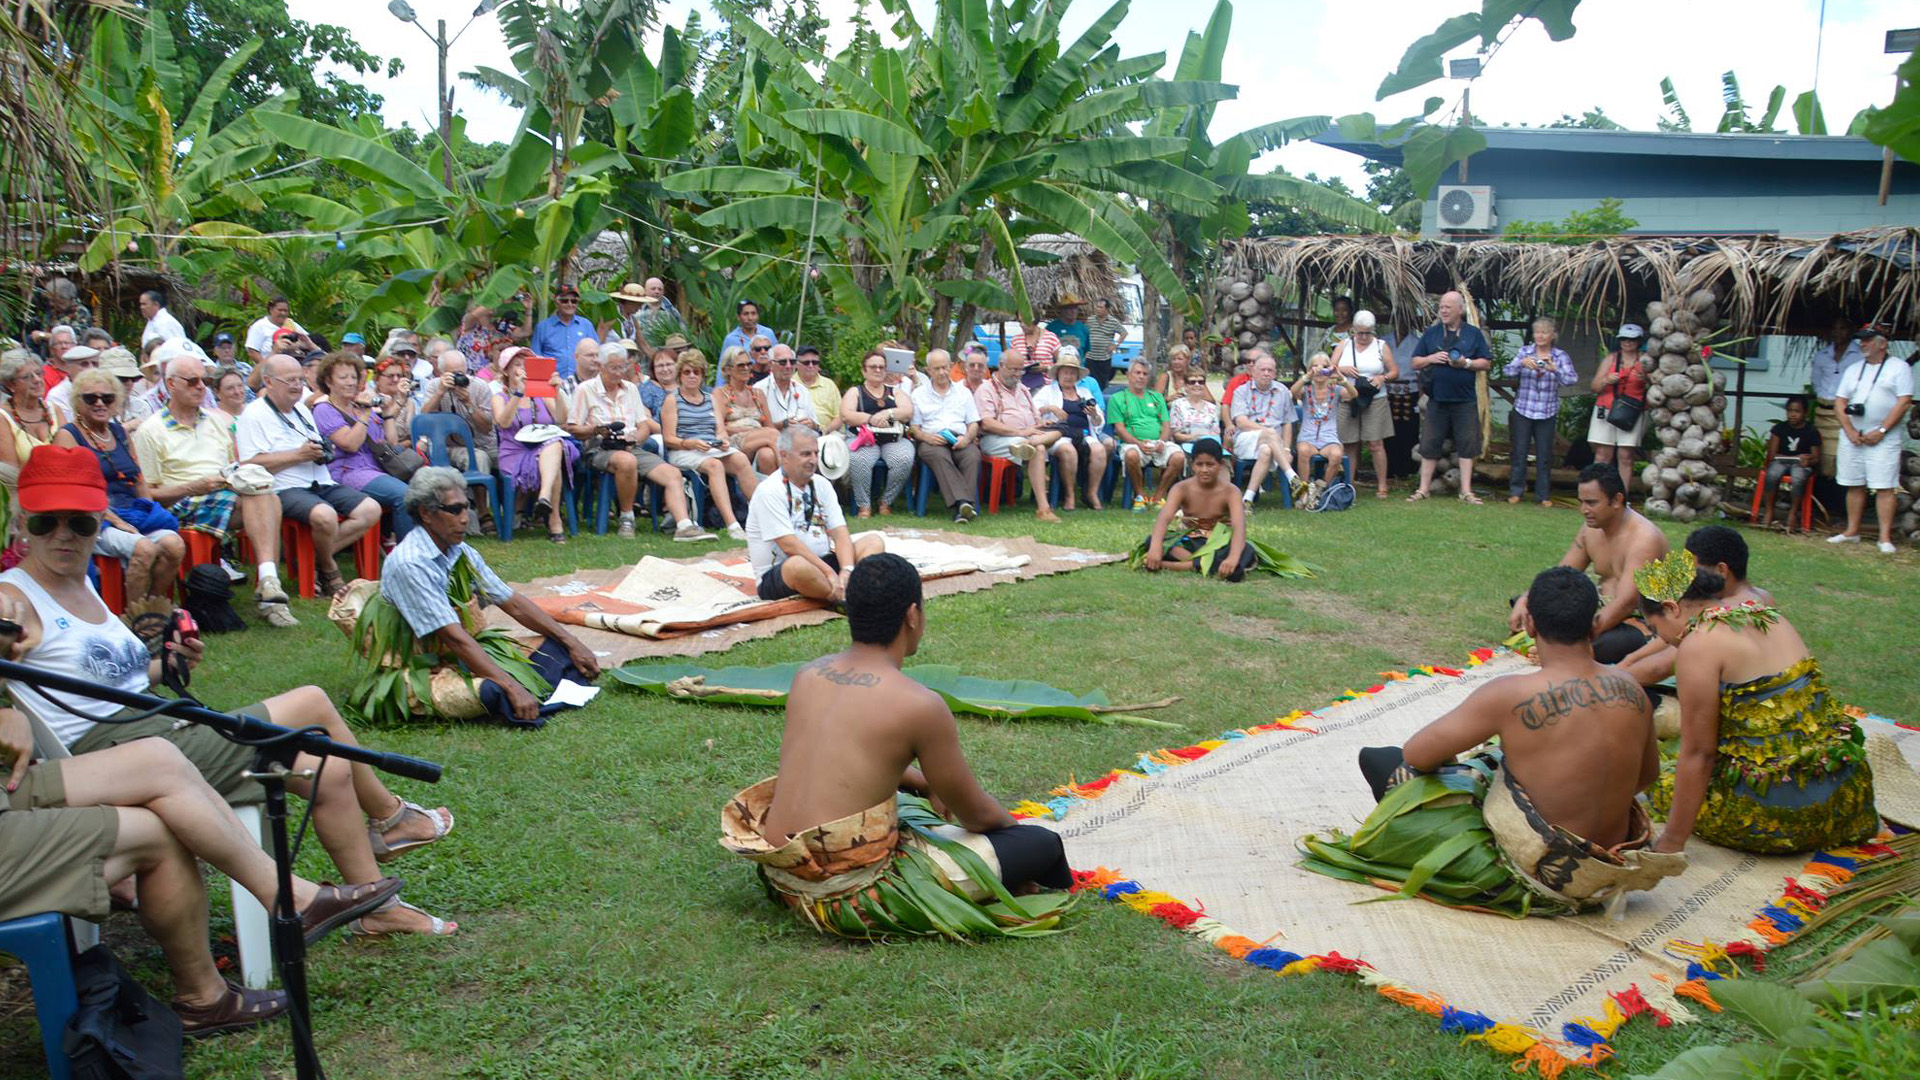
x=1466, y=208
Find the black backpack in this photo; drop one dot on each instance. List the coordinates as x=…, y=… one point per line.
x=119, y=1032
x=209, y=600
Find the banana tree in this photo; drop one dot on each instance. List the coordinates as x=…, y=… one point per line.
x=161, y=183
x=1189, y=227
x=914, y=170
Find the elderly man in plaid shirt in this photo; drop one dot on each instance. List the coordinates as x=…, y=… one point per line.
x=1542, y=368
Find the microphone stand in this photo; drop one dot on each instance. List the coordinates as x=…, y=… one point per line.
x=275, y=748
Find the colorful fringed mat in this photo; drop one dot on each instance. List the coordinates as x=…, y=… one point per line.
x=1205, y=836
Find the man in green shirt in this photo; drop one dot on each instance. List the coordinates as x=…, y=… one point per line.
x=1139, y=416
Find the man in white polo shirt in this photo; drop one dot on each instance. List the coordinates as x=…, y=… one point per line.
x=796, y=533
x=946, y=433
x=788, y=401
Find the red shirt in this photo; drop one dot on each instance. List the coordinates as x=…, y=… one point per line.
x=1633, y=380
x=54, y=375
x=1235, y=383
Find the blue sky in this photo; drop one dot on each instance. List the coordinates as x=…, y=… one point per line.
x=1292, y=58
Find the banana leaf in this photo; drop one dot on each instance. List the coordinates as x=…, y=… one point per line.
x=1267, y=559
x=999, y=699
x=1427, y=838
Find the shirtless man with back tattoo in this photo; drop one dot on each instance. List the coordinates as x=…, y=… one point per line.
x=1614, y=542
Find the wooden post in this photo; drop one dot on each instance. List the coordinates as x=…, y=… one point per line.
x=1739, y=405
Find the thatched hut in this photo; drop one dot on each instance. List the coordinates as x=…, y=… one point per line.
x=1064, y=266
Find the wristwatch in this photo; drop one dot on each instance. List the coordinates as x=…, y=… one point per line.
x=1880, y=430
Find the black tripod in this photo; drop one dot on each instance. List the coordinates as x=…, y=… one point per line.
x=275, y=748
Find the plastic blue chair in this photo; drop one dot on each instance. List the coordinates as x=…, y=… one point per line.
x=1243, y=471
x=922, y=484
x=435, y=428
x=45, y=945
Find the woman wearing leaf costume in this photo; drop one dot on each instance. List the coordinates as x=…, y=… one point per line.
x=1545, y=825
x=850, y=835
x=1769, y=762
x=420, y=631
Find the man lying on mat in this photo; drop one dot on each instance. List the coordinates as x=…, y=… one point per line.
x=1198, y=504
x=797, y=536
x=1560, y=829
x=1723, y=551
x=838, y=841
x=1614, y=542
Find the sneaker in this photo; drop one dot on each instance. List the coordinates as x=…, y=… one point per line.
x=966, y=512
x=1139, y=503
x=270, y=591
x=691, y=533
x=278, y=615
x=1297, y=483
x=1887, y=548
x=235, y=575
x=626, y=527
x=1247, y=496
x=1842, y=538
x=1021, y=452
x=737, y=531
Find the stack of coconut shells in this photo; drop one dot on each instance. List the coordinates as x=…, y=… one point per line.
x=1907, y=499
x=1242, y=314
x=1685, y=401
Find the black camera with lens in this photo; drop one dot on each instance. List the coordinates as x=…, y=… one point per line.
x=1856, y=408
x=460, y=379
x=326, y=451
x=615, y=437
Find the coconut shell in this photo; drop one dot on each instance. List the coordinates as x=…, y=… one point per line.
x=1656, y=395
x=1705, y=416
x=1246, y=339
x=1656, y=310
x=1691, y=447
x=1658, y=507
x=1681, y=418
x=1718, y=404
x=1676, y=385
x=1670, y=477
x=1249, y=306
x=1683, y=512
x=1700, y=300
x=1667, y=436
x=1710, y=317
x=1650, y=475
x=1719, y=381
x=1699, y=395
x=1240, y=290
x=1660, y=328
x=1259, y=324
x=1714, y=441
x=1686, y=322
x=1673, y=365
x=1668, y=458
x=1263, y=292
x=1692, y=431
x=1698, y=373
x=1676, y=342
x=1686, y=493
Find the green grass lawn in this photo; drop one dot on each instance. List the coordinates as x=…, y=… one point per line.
x=604, y=932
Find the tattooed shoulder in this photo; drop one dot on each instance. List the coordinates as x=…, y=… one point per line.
x=1562, y=699
x=826, y=669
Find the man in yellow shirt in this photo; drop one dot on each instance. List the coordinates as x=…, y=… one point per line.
x=826, y=396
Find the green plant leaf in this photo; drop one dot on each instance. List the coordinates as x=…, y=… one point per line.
x=1884, y=970
x=981, y=294
x=1807, y=116
x=730, y=179
x=1430, y=150
x=1769, y=1008
x=353, y=153
x=875, y=132
x=1421, y=63
x=1702, y=1063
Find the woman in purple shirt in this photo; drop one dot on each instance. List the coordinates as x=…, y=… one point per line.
x=350, y=419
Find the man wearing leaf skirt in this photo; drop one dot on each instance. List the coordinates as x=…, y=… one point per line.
x=853, y=838
x=1547, y=823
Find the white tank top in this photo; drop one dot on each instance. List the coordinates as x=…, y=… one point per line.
x=1367, y=361
x=106, y=653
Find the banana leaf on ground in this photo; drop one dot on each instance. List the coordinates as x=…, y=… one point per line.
x=1000, y=699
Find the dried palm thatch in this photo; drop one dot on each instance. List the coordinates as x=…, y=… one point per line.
x=1764, y=284
x=1073, y=267
x=43, y=47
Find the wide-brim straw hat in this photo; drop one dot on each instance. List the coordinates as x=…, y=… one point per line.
x=633, y=293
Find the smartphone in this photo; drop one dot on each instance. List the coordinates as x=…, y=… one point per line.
x=899, y=361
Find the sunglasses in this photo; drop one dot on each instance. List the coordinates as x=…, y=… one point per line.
x=98, y=399
x=809, y=363
x=189, y=380
x=783, y=361
x=77, y=524
x=455, y=509
x=1196, y=382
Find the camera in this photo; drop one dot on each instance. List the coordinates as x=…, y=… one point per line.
x=1856, y=409
x=326, y=451
x=460, y=380
x=616, y=436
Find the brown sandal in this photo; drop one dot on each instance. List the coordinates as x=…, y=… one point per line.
x=330, y=581
x=384, y=852
x=240, y=1007
x=337, y=904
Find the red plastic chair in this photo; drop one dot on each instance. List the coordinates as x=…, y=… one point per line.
x=113, y=583
x=296, y=546
x=202, y=549
x=1805, y=509
x=1003, y=474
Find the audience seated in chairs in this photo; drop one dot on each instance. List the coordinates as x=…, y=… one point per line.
x=536, y=466
x=883, y=412
x=359, y=822
x=696, y=437
x=186, y=455
x=359, y=431
x=611, y=398
x=946, y=429
x=1140, y=420
x=1262, y=415
x=137, y=531
x=1010, y=427
x=457, y=391
x=278, y=433
x=1069, y=404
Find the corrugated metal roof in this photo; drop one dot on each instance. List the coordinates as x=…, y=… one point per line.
x=1696, y=144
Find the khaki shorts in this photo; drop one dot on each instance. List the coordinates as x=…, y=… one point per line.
x=220, y=761
x=1375, y=422
x=54, y=857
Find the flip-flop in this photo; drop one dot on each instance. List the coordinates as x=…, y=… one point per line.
x=240, y=1007
x=1471, y=499
x=1418, y=496
x=377, y=831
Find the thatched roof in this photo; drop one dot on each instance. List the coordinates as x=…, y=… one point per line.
x=1077, y=268
x=1766, y=284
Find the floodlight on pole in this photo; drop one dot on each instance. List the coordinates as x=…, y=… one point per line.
x=1898, y=41
x=402, y=11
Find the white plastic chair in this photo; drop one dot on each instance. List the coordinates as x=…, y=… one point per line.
x=250, y=928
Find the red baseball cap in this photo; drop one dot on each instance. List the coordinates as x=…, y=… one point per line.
x=62, y=478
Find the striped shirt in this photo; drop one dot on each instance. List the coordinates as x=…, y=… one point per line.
x=417, y=577
x=1103, y=333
